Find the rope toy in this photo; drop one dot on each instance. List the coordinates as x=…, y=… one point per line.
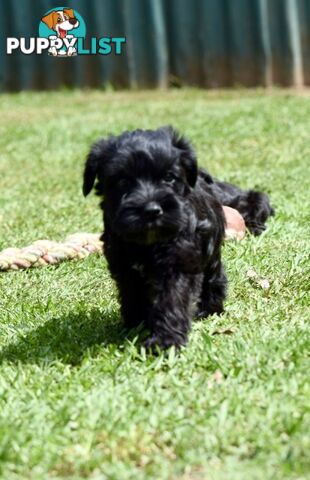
x=80, y=245
x=47, y=252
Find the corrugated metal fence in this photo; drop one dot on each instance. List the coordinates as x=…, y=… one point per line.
x=209, y=43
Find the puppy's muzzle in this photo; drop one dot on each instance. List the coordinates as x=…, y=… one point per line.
x=152, y=211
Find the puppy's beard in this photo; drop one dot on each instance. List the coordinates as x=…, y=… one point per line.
x=150, y=236
x=134, y=229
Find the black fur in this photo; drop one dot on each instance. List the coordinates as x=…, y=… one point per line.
x=254, y=206
x=163, y=230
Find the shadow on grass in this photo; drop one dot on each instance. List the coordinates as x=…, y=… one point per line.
x=68, y=338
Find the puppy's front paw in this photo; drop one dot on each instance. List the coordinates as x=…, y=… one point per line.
x=71, y=51
x=207, y=310
x=157, y=343
x=53, y=51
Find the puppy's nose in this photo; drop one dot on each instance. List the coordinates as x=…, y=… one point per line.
x=72, y=21
x=152, y=210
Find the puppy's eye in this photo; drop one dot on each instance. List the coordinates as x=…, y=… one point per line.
x=169, y=178
x=59, y=20
x=66, y=17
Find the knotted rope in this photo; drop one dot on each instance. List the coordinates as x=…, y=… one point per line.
x=47, y=252
x=80, y=245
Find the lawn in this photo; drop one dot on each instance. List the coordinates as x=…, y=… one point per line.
x=79, y=399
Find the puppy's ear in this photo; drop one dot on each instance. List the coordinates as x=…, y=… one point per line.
x=188, y=158
x=69, y=12
x=49, y=20
x=94, y=165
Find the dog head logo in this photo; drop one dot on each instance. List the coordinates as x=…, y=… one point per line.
x=61, y=21
x=62, y=26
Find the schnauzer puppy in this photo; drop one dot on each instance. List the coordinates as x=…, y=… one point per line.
x=163, y=231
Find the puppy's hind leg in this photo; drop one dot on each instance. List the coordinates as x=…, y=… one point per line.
x=213, y=290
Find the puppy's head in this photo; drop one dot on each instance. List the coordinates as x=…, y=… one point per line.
x=61, y=21
x=257, y=208
x=145, y=177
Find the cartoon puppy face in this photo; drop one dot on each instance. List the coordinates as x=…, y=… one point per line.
x=61, y=21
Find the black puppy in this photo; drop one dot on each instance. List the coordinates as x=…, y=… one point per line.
x=254, y=206
x=164, y=227
x=163, y=231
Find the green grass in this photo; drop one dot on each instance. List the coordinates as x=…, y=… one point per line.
x=80, y=400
